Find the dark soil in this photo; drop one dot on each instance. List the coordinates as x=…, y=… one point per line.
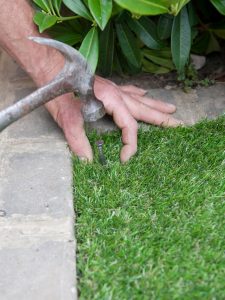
x=214, y=70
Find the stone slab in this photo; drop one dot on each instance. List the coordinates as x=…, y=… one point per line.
x=36, y=180
x=44, y=271
x=37, y=242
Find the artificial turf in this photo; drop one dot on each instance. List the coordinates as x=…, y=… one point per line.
x=154, y=228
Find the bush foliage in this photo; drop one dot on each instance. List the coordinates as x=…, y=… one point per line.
x=130, y=36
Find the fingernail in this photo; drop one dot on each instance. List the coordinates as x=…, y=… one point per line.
x=83, y=159
x=179, y=122
x=171, y=105
x=144, y=91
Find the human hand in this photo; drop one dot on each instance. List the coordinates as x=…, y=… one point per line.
x=127, y=105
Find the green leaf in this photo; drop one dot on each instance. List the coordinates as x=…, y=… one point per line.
x=213, y=45
x=90, y=48
x=206, y=43
x=145, y=7
x=219, y=5
x=218, y=29
x=101, y=10
x=44, y=21
x=116, y=9
x=150, y=67
x=43, y=4
x=177, y=5
x=146, y=31
x=57, y=5
x=126, y=66
x=128, y=45
x=68, y=38
x=201, y=43
x=181, y=40
x=193, y=17
x=164, y=26
x=159, y=60
x=78, y=8
x=106, y=50
x=117, y=64
x=65, y=33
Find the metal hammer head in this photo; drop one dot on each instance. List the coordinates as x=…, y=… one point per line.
x=77, y=77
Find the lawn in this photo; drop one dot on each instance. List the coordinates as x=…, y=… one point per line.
x=154, y=228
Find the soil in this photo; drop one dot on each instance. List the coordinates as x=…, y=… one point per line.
x=214, y=69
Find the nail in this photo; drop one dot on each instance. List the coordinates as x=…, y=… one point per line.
x=144, y=91
x=171, y=105
x=101, y=155
x=179, y=122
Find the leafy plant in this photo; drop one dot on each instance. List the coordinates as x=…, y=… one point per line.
x=129, y=36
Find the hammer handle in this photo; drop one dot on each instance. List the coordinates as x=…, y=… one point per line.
x=31, y=102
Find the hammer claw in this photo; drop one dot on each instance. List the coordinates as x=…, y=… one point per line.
x=76, y=76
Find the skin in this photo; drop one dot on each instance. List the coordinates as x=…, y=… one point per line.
x=127, y=104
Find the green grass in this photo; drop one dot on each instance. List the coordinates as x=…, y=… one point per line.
x=154, y=228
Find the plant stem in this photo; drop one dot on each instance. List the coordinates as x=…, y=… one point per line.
x=68, y=18
x=47, y=8
x=52, y=8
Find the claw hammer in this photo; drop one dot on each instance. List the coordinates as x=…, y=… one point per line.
x=76, y=76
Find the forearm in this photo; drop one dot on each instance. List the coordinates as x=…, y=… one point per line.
x=16, y=25
x=40, y=62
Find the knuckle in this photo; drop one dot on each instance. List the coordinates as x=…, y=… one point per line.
x=134, y=126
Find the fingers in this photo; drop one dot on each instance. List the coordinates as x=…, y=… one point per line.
x=79, y=144
x=114, y=105
x=126, y=104
x=141, y=111
x=132, y=89
x=129, y=128
x=71, y=122
x=138, y=94
x=156, y=104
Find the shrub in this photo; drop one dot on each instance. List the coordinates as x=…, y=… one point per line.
x=128, y=36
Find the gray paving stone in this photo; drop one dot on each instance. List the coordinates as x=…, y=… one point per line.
x=37, y=242
x=44, y=271
x=192, y=107
x=212, y=99
x=36, y=125
x=36, y=182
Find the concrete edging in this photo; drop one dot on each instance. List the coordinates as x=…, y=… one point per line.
x=37, y=242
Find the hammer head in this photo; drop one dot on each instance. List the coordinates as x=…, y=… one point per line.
x=77, y=76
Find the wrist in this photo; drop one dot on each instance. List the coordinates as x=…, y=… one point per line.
x=48, y=67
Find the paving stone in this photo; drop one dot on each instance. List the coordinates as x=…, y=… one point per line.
x=192, y=107
x=36, y=182
x=212, y=99
x=36, y=125
x=37, y=242
x=44, y=271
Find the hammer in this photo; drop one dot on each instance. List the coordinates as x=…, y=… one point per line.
x=76, y=76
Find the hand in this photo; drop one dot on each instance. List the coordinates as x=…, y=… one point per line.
x=127, y=105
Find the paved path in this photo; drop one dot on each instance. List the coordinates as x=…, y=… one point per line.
x=37, y=246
